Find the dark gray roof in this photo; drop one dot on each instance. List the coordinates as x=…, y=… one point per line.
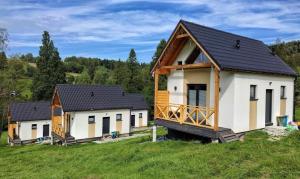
x=252, y=56
x=96, y=97
x=137, y=101
x=30, y=111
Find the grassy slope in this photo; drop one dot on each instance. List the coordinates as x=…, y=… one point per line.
x=136, y=158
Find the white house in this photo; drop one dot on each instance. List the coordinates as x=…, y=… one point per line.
x=90, y=112
x=220, y=83
x=28, y=121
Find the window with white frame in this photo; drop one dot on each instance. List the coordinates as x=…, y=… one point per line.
x=140, y=115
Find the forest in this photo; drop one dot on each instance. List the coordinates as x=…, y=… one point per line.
x=25, y=77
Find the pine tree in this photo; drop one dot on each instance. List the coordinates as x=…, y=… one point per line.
x=134, y=81
x=50, y=70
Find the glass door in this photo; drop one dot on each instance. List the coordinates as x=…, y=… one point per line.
x=196, y=97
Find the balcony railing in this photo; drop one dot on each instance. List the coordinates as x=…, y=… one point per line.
x=57, y=126
x=185, y=114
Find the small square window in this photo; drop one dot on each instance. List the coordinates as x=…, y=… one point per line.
x=179, y=62
x=91, y=119
x=252, y=92
x=119, y=117
x=140, y=115
x=33, y=126
x=282, y=92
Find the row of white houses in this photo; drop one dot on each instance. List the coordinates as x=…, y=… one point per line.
x=77, y=113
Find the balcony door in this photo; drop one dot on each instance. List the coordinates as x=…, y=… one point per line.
x=196, y=97
x=197, y=94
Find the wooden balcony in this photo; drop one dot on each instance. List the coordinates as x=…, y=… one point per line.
x=57, y=126
x=185, y=114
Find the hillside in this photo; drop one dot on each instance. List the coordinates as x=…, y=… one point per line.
x=140, y=158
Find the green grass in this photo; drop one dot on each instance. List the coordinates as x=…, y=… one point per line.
x=139, y=158
x=3, y=139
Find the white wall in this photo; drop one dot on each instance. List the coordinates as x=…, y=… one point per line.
x=241, y=102
x=227, y=99
x=145, y=117
x=176, y=77
x=79, y=122
x=26, y=131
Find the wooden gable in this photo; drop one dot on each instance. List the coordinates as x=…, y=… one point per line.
x=175, y=45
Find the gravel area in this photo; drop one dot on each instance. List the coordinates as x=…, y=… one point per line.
x=276, y=132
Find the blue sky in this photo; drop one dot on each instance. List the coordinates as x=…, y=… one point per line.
x=109, y=29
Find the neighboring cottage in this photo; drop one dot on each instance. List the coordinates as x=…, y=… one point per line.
x=220, y=83
x=90, y=112
x=28, y=121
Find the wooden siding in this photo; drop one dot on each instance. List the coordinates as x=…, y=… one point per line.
x=57, y=126
x=282, y=107
x=91, y=130
x=162, y=98
x=11, y=128
x=33, y=133
x=119, y=126
x=253, y=115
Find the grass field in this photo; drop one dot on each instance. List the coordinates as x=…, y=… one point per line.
x=139, y=158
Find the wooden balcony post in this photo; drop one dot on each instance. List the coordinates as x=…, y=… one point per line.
x=217, y=91
x=156, y=79
x=181, y=118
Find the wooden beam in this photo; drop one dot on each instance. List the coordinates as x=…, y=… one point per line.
x=188, y=66
x=182, y=36
x=217, y=93
x=156, y=79
x=200, y=46
x=163, y=71
x=174, y=52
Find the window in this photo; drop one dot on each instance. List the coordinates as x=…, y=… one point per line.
x=33, y=126
x=179, y=62
x=140, y=115
x=282, y=92
x=252, y=92
x=119, y=117
x=91, y=119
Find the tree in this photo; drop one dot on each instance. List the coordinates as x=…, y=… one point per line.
x=3, y=60
x=101, y=75
x=120, y=74
x=149, y=89
x=83, y=78
x=134, y=81
x=50, y=70
x=159, y=48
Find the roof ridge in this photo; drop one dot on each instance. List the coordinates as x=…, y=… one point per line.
x=22, y=102
x=181, y=20
x=88, y=85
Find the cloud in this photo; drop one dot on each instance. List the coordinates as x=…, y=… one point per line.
x=82, y=22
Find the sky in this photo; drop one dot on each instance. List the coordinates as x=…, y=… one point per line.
x=109, y=29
